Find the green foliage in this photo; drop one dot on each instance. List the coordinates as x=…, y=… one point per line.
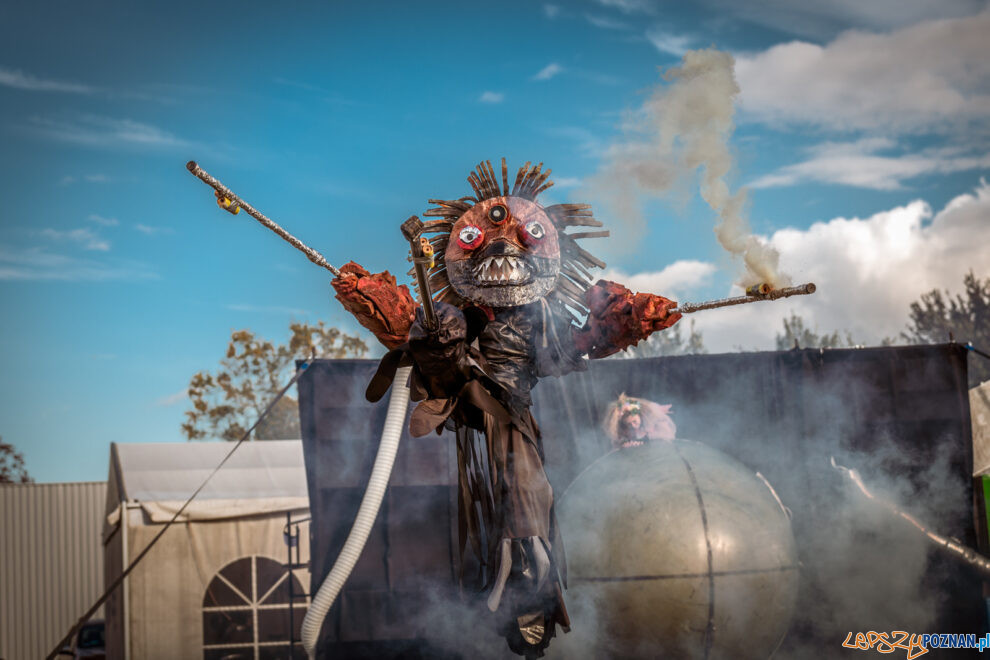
x=12, y=470
x=667, y=342
x=965, y=317
x=227, y=403
x=798, y=335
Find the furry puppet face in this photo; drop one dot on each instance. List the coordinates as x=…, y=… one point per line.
x=504, y=252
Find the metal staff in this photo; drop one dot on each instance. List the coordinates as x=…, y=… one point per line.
x=753, y=294
x=950, y=547
x=422, y=257
x=228, y=201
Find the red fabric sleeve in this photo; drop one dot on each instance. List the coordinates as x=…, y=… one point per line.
x=619, y=318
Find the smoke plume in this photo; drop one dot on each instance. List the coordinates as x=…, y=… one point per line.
x=680, y=132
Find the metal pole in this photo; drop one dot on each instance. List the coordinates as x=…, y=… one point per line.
x=288, y=543
x=422, y=256
x=236, y=203
x=950, y=547
x=774, y=294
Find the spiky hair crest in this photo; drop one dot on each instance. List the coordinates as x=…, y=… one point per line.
x=567, y=296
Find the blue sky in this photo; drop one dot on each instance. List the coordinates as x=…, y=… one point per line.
x=861, y=132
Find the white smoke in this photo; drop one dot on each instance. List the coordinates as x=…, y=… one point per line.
x=683, y=130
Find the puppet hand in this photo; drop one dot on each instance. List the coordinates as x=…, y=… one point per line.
x=452, y=327
x=618, y=318
x=440, y=356
x=376, y=301
x=654, y=313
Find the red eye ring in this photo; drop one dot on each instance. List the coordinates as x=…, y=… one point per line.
x=470, y=237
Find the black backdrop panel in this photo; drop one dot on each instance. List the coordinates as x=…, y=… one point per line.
x=780, y=413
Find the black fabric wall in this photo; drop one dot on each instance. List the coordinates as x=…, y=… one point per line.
x=780, y=413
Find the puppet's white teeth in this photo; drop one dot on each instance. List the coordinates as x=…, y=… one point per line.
x=502, y=270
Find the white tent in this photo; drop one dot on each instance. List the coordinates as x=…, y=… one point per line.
x=216, y=584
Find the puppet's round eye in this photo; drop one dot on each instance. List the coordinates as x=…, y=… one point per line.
x=470, y=237
x=497, y=213
x=535, y=230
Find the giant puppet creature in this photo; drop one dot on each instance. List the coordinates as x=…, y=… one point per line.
x=510, y=285
x=506, y=299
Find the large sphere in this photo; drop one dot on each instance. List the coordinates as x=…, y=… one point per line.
x=675, y=550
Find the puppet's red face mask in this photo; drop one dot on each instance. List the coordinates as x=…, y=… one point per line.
x=503, y=252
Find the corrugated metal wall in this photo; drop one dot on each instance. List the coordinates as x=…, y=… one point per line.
x=51, y=562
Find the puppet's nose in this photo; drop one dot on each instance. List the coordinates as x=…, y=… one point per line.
x=502, y=247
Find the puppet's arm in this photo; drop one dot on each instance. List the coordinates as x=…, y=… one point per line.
x=619, y=318
x=378, y=303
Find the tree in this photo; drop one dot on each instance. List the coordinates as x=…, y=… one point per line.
x=12, y=470
x=227, y=403
x=798, y=335
x=667, y=342
x=965, y=317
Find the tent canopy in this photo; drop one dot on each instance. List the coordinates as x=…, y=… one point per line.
x=261, y=477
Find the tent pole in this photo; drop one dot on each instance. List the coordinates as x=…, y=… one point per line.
x=288, y=565
x=125, y=523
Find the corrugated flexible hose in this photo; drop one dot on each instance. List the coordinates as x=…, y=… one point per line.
x=370, y=504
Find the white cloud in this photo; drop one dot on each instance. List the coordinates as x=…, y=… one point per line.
x=548, y=72
x=551, y=11
x=933, y=76
x=823, y=20
x=589, y=143
x=598, y=78
x=172, y=399
x=665, y=42
x=868, y=271
x=89, y=178
x=629, y=6
x=83, y=236
x=100, y=220
x=491, y=97
x=676, y=281
x=20, y=80
x=605, y=23
x=269, y=309
x=37, y=264
x=152, y=230
x=309, y=87
x=98, y=131
x=859, y=164
x=566, y=182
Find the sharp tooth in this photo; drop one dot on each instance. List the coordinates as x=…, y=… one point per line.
x=499, y=261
